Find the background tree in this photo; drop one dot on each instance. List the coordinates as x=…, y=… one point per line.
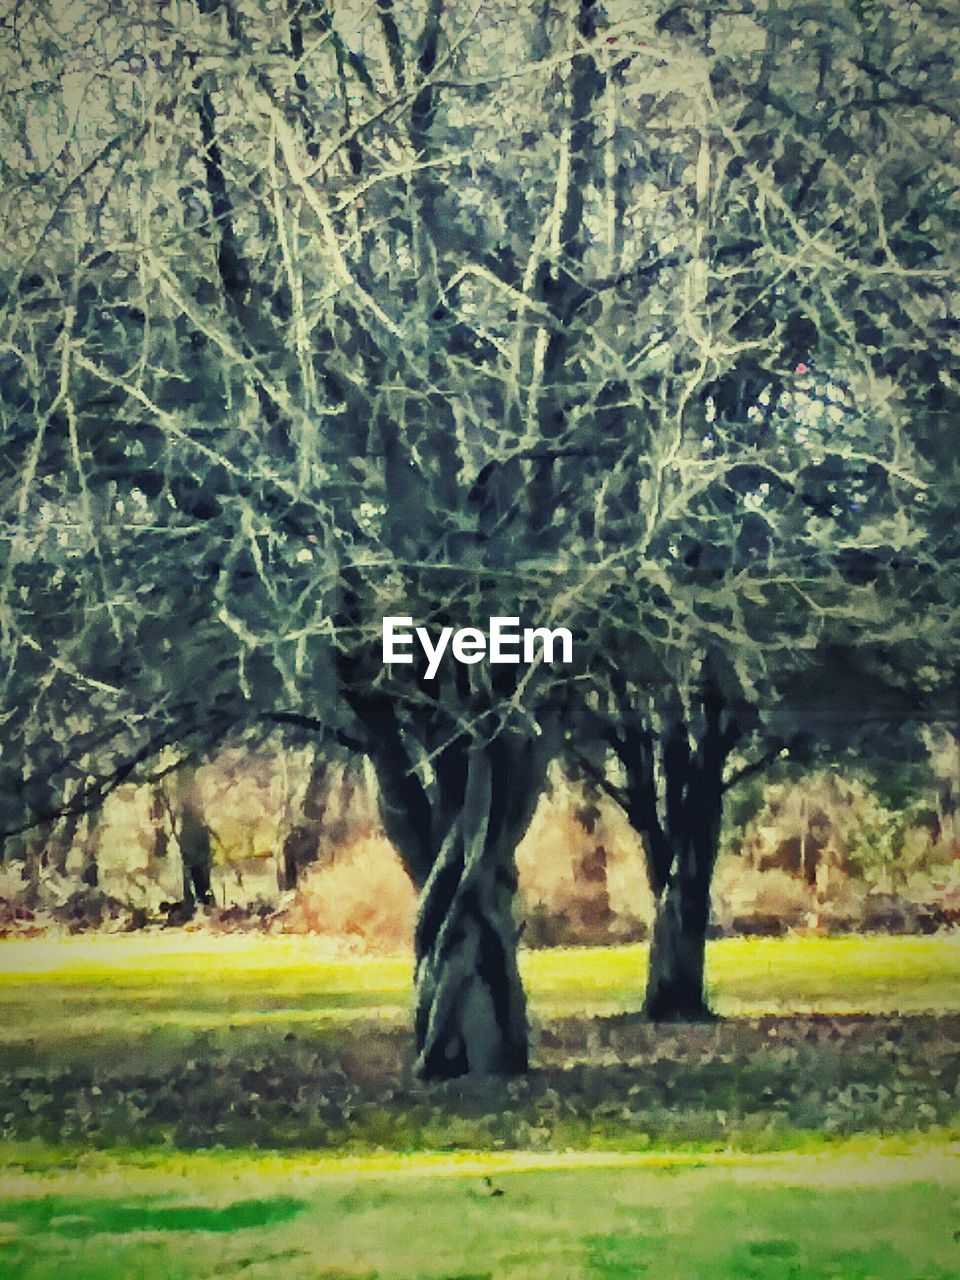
x=782, y=563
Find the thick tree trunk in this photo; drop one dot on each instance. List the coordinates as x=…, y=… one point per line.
x=675, y=980
x=675, y=987
x=456, y=825
x=470, y=1005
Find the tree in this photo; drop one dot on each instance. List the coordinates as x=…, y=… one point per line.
x=784, y=560
x=285, y=356
x=301, y=843
x=193, y=837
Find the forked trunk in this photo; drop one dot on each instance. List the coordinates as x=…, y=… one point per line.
x=675, y=981
x=456, y=826
x=682, y=848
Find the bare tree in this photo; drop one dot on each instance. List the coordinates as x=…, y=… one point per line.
x=311, y=319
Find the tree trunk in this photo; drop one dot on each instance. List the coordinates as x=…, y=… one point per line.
x=28, y=849
x=470, y=1005
x=301, y=847
x=193, y=837
x=674, y=798
x=456, y=827
x=158, y=822
x=90, y=865
x=675, y=987
x=694, y=783
x=61, y=843
x=195, y=851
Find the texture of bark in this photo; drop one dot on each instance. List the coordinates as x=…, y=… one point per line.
x=470, y=1005
x=689, y=838
x=674, y=798
x=675, y=980
x=457, y=836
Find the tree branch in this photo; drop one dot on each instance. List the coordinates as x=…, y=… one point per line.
x=597, y=776
x=755, y=767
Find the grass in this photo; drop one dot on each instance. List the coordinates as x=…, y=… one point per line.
x=792, y=1141
x=856, y=1216
x=91, y=986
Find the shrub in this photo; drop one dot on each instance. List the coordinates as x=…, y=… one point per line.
x=364, y=895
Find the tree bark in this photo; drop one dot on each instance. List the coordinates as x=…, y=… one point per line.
x=674, y=798
x=301, y=847
x=675, y=979
x=61, y=842
x=470, y=1005
x=90, y=866
x=195, y=851
x=28, y=848
x=694, y=807
x=457, y=835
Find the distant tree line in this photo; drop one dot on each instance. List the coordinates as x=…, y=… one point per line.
x=289, y=840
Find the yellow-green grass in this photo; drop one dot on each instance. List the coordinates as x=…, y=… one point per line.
x=878, y=1212
x=133, y=984
x=624, y=1204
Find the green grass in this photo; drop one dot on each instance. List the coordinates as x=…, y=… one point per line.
x=201, y=1041
x=110, y=988
x=771, y=1145
x=855, y=1216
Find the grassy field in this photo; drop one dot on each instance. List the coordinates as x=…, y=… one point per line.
x=126, y=985
x=854, y=1216
x=184, y=1106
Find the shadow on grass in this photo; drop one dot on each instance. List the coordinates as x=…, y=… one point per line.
x=79, y=1218
x=616, y=1082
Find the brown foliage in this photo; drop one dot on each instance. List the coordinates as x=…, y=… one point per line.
x=363, y=895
